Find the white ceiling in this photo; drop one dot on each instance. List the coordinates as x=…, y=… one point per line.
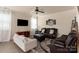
x=46, y=9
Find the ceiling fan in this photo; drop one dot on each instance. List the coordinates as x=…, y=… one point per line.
x=37, y=10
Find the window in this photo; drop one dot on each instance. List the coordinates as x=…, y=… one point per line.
x=33, y=23
x=5, y=20
x=5, y=25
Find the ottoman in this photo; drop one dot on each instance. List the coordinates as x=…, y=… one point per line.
x=39, y=37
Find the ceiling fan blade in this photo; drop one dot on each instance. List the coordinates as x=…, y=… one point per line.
x=37, y=10
x=41, y=11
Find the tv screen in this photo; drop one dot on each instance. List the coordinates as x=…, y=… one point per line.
x=21, y=22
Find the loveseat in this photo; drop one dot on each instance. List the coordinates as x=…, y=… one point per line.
x=24, y=43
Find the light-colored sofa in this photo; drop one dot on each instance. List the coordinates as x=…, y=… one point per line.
x=24, y=43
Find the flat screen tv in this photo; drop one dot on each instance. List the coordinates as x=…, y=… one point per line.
x=22, y=22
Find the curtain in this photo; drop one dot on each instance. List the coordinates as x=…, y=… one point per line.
x=5, y=24
x=33, y=25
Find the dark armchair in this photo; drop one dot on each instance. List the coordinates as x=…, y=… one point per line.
x=64, y=46
x=46, y=33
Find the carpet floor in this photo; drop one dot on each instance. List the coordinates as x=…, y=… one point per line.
x=10, y=47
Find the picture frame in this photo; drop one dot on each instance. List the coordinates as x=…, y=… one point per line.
x=51, y=22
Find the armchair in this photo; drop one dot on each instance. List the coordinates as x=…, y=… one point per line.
x=64, y=46
x=46, y=33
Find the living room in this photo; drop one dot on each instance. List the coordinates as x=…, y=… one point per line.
x=59, y=17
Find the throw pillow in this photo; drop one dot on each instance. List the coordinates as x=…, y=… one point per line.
x=43, y=31
x=51, y=31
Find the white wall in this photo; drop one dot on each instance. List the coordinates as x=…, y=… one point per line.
x=63, y=21
x=15, y=28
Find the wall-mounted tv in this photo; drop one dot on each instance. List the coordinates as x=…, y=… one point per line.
x=22, y=22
